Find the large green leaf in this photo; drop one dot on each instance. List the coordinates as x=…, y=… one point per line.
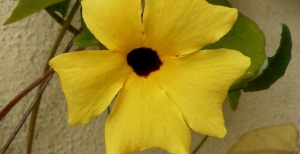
x=280, y=139
x=277, y=64
x=246, y=37
x=61, y=7
x=28, y=7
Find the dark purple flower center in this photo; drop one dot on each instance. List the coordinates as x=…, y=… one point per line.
x=143, y=61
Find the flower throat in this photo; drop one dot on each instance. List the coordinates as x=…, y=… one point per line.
x=143, y=61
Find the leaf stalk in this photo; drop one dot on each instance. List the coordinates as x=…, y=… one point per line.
x=200, y=144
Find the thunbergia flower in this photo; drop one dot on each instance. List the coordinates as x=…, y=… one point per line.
x=165, y=83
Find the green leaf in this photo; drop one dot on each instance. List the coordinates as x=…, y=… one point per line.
x=246, y=37
x=61, y=7
x=233, y=98
x=85, y=38
x=280, y=139
x=277, y=64
x=28, y=7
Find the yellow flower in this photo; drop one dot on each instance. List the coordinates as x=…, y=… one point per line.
x=164, y=83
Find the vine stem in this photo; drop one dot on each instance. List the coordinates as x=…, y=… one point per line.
x=61, y=21
x=36, y=107
x=54, y=48
x=62, y=32
x=35, y=111
x=108, y=110
x=200, y=144
x=14, y=101
x=15, y=132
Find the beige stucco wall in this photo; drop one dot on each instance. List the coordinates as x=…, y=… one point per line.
x=25, y=46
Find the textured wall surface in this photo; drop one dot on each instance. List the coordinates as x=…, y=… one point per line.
x=25, y=46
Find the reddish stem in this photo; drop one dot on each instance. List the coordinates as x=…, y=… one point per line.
x=13, y=102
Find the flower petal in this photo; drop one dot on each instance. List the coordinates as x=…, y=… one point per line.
x=115, y=23
x=198, y=84
x=90, y=80
x=181, y=27
x=144, y=117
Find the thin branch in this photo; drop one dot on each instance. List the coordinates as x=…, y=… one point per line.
x=53, y=50
x=108, y=110
x=200, y=144
x=52, y=53
x=36, y=108
x=13, y=102
x=61, y=21
x=62, y=32
x=20, y=124
x=31, y=129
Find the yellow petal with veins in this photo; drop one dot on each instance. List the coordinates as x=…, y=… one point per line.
x=115, y=23
x=198, y=84
x=184, y=26
x=144, y=117
x=90, y=80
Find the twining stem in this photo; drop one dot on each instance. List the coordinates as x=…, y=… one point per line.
x=52, y=53
x=108, y=110
x=14, y=101
x=61, y=21
x=35, y=111
x=62, y=32
x=33, y=121
x=200, y=145
x=15, y=132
